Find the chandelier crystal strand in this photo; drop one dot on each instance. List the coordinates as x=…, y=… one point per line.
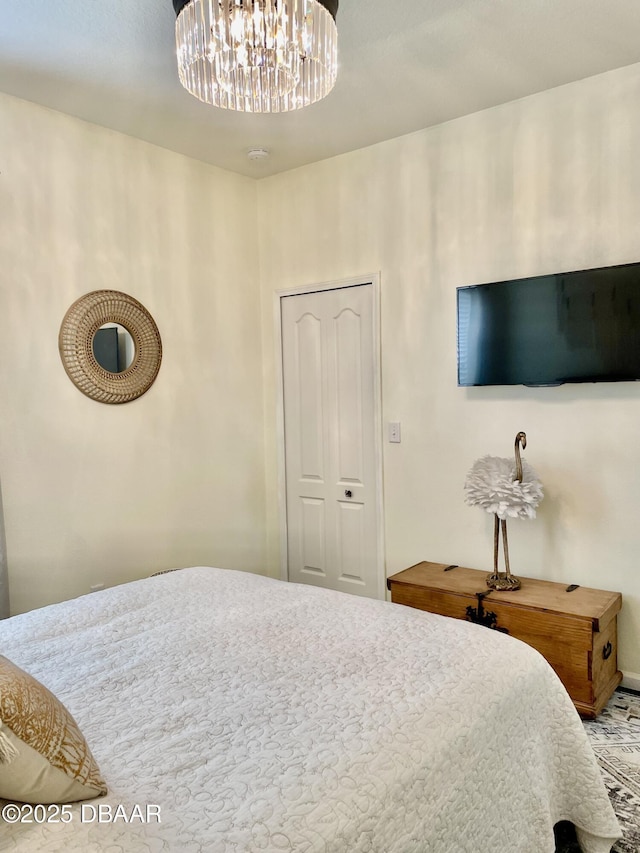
x=257, y=55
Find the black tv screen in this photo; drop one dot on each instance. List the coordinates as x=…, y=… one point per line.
x=568, y=327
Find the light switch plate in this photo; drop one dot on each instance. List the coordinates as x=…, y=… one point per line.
x=394, y=432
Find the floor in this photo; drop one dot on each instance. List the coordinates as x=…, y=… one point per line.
x=615, y=737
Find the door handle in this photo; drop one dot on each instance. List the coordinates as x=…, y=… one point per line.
x=347, y=493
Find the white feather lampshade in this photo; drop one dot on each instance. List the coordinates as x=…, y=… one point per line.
x=491, y=485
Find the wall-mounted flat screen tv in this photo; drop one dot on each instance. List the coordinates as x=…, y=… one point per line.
x=569, y=327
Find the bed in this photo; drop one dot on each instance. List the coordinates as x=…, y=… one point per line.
x=258, y=715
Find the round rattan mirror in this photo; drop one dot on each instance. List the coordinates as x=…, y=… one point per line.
x=76, y=343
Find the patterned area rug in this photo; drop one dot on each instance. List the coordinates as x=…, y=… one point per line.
x=615, y=737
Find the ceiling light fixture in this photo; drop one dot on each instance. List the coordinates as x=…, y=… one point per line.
x=257, y=56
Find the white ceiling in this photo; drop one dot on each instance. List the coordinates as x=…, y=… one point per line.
x=404, y=65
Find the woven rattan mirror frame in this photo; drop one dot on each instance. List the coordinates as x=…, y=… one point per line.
x=75, y=341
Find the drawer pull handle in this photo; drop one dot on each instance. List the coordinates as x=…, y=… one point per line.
x=606, y=651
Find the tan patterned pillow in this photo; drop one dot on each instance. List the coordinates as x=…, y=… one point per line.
x=44, y=757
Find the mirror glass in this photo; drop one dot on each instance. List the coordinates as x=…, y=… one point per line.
x=113, y=347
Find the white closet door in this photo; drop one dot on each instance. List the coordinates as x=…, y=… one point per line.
x=330, y=419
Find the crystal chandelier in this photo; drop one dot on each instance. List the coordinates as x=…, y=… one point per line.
x=257, y=56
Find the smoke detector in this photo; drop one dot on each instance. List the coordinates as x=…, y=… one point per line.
x=257, y=154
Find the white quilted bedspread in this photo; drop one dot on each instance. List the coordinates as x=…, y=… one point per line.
x=266, y=716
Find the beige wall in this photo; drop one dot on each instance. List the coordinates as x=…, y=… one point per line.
x=94, y=492
x=546, y=184
x=109, y=493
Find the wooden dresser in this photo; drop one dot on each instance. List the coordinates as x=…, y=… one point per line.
x=574, y=627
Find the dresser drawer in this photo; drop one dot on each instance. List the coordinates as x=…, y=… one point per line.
x=575, y=629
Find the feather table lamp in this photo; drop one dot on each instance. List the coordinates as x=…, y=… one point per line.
x=509, y=488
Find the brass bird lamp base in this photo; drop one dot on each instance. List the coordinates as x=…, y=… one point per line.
x=498, y=580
